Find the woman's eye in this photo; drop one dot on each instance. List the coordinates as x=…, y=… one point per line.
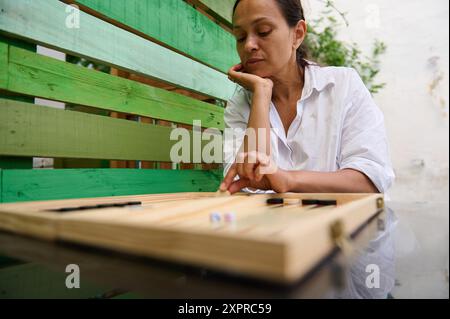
x=240, y=37
x=261, y=34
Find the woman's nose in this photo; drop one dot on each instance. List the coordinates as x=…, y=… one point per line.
x=251, y=44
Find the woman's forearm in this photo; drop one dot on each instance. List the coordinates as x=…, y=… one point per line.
x=343, y=181
x=259, y=119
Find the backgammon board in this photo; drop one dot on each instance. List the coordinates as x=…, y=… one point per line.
x=274, y=237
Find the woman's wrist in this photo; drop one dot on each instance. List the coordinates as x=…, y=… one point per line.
x=285, y=180
x=293, y=181
x=264, y=88
x=262, y=96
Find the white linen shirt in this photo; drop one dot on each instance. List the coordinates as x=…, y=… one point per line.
x=338, y=126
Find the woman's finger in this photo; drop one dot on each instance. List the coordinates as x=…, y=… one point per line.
x=234, y=69
x=240, y=170
x=236, y=186
x=250, y=164
x=238, y=67
x=265, y=166
x=258, y=175
x=249, y=170
x=262, y=161
x=260, y=172
x=229, y=177
x=236, y=74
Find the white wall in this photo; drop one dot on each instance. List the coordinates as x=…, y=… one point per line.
x=415, y=103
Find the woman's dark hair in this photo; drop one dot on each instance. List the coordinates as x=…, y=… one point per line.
x=293, y=12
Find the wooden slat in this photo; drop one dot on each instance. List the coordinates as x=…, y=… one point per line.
x=28, y=185
x=102, y=42
x=120, y=164
x=165, y=86
x=173, y=23
x=37, y=75
x=146, y=164
x=3, y=64
x=12, y=162
x=219, y=9
x=163, y=165
x=32, y=130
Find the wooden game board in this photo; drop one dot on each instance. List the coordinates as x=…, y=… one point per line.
x=273, y=242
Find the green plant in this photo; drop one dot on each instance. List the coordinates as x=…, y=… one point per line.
x=87, y=63
x=326, y=49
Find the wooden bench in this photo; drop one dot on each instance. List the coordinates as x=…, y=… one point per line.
x=175, y=60
x=168, y=62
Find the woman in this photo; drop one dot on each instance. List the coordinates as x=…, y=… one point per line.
x=315, y=129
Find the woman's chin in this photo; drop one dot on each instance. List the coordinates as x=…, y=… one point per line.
x=260, y=73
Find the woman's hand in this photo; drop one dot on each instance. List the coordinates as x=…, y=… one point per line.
x=255, y=170
x=249, y=81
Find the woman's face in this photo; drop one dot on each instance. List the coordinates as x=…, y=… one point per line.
x=263, y=34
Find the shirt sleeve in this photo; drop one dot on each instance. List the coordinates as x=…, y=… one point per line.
x=364, y=145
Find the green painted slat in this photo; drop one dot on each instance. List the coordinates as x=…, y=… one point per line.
x=7, y=162
x=5, y=43
x=32, y=130
x=27, y=185
x=221, y=9
x=176, y=24
x=37, y=75
x=3, y=64
x=102, y=42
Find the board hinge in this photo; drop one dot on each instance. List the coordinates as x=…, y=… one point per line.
x=340, y=239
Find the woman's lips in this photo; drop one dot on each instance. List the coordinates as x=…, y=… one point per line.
x=254, y=61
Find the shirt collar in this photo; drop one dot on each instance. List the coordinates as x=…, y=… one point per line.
x=316, y=78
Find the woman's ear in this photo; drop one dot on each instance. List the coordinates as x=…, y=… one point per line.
x=299, y=33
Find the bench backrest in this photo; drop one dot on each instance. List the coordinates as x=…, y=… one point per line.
x=169, y=62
